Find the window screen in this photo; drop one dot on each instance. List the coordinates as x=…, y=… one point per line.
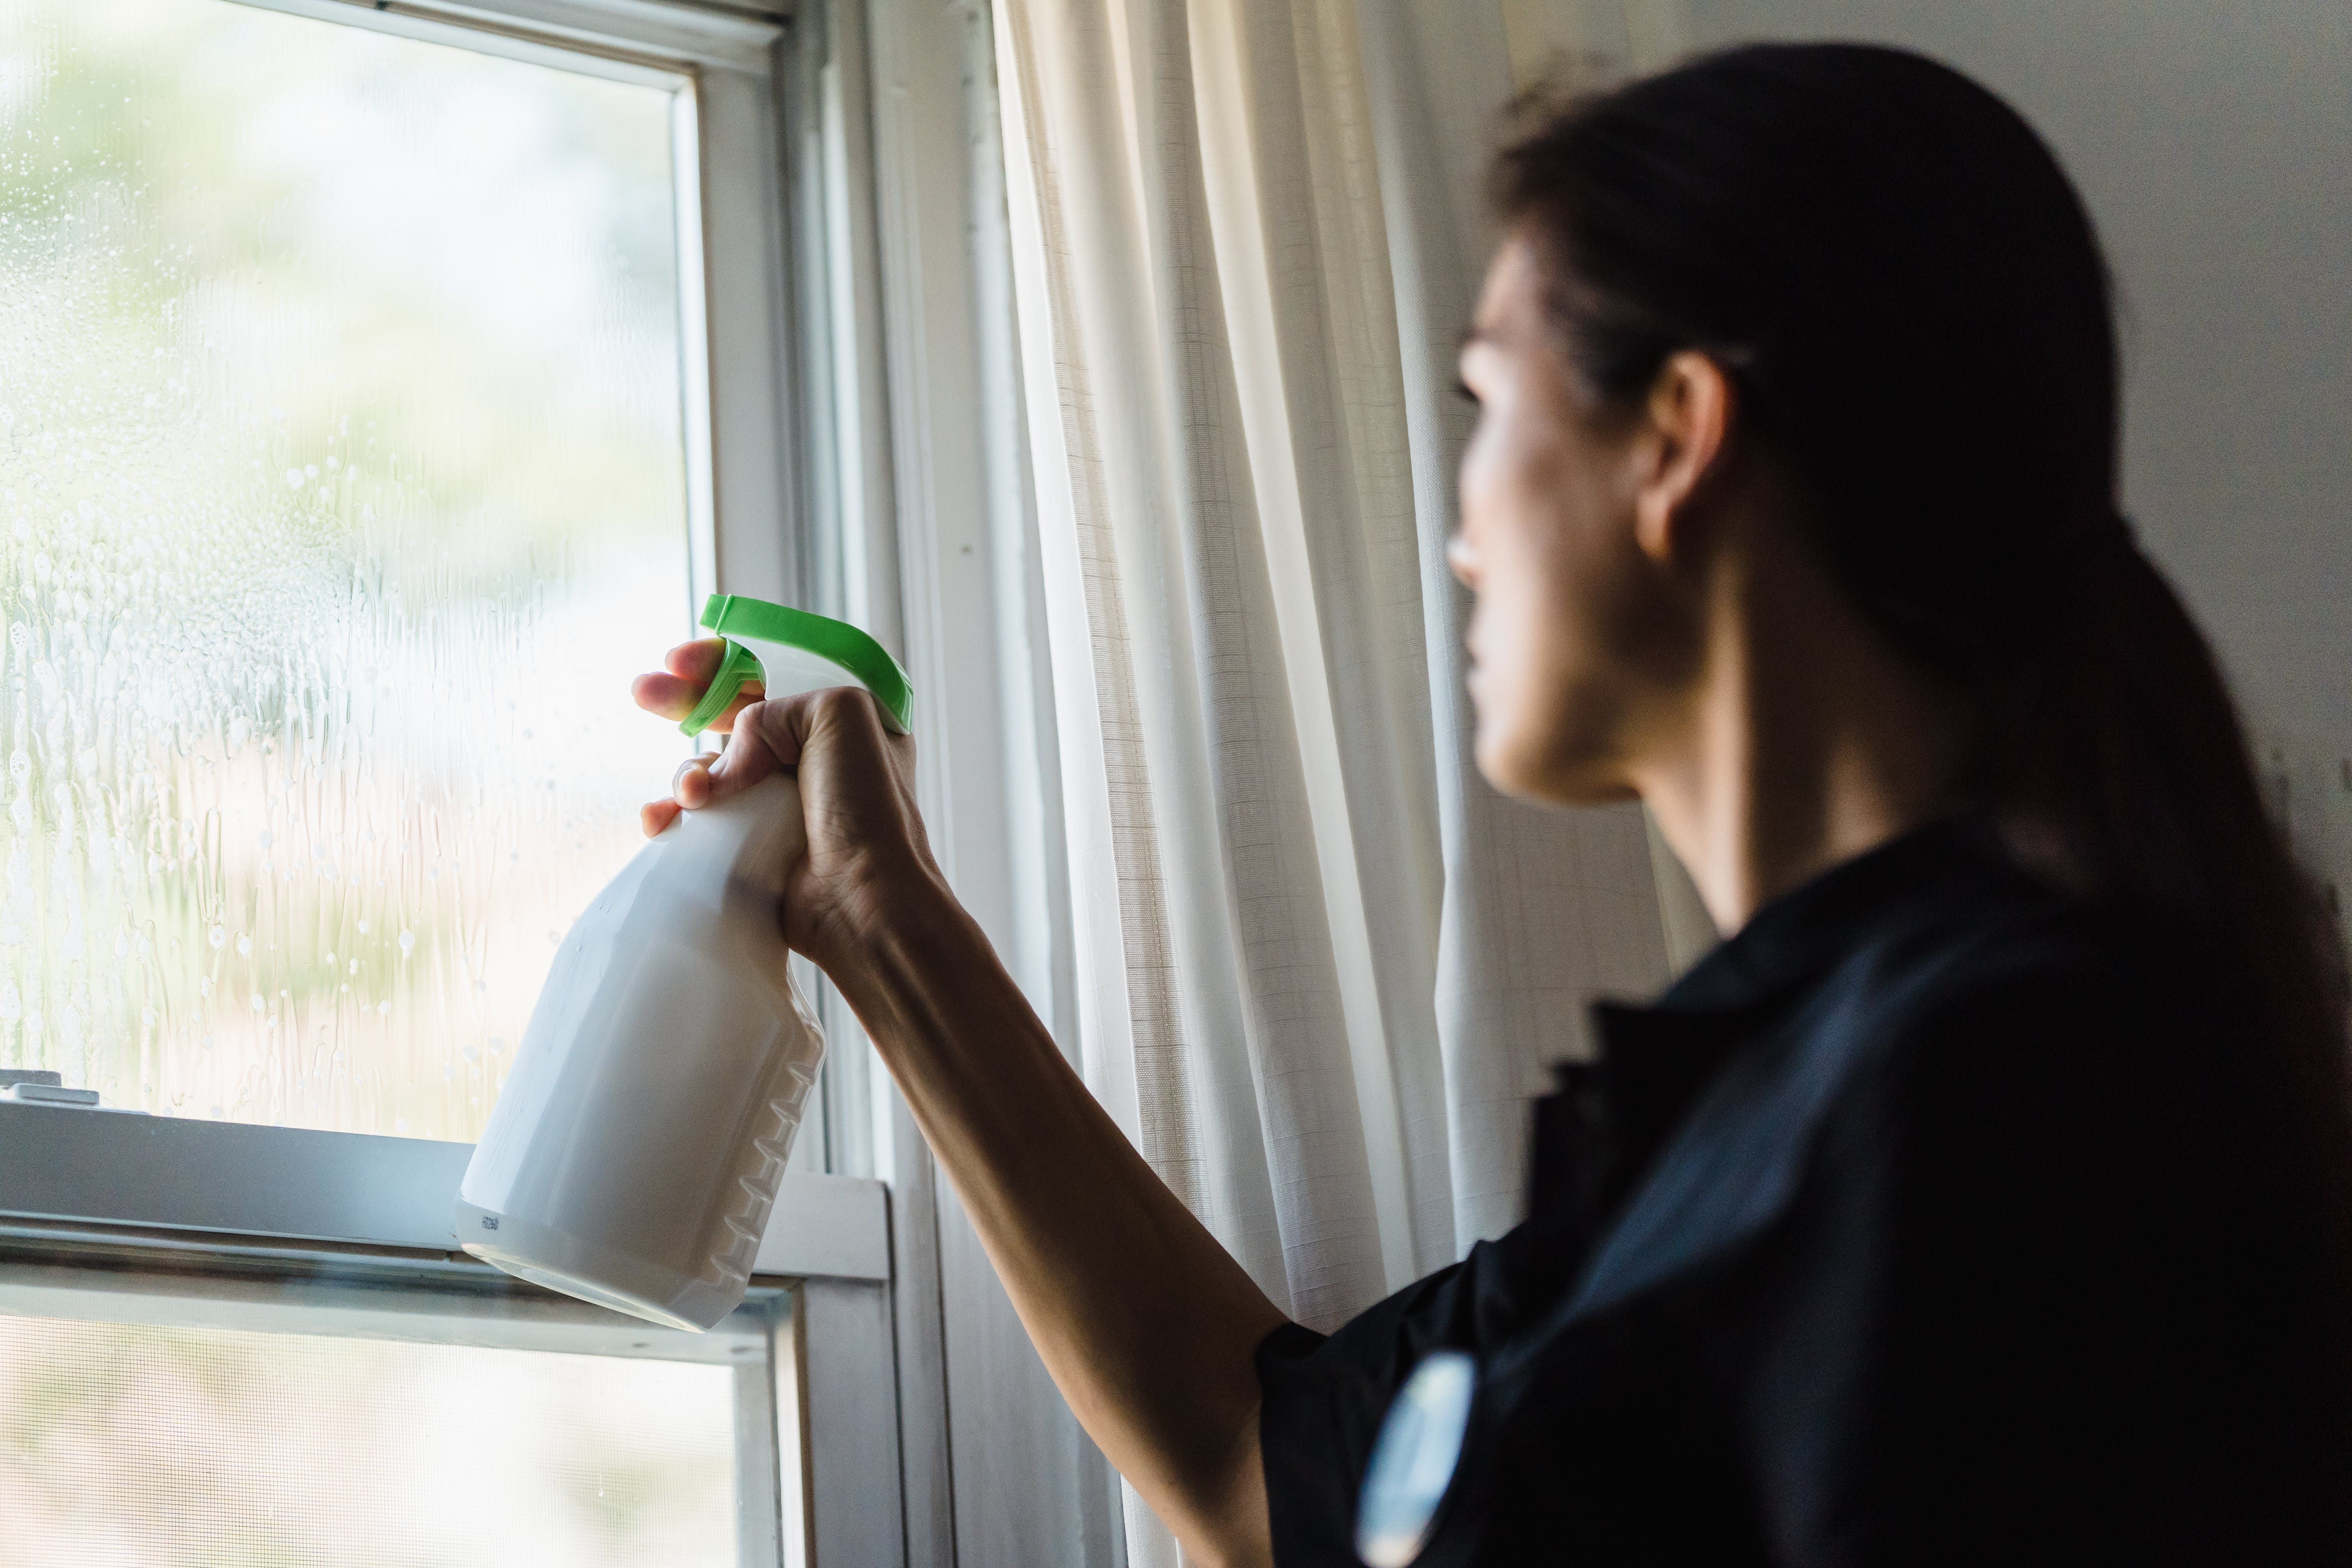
x=341, y=489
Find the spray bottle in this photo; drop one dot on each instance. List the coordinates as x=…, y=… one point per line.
x=635, y=1150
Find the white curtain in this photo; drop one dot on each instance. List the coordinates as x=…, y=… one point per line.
x=1321, y=965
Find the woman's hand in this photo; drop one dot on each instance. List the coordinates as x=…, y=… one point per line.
x=1145, y=1323
x=868, y=856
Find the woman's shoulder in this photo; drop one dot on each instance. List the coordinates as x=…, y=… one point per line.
x=1975, y=1000
x=1972, y=1042
x=1940, y=939
x=2016, y=983
x=2028, y=1015
x=2047, y=1079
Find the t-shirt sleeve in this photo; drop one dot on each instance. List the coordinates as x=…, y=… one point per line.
x=1314, y=1442
x=1324, y=1399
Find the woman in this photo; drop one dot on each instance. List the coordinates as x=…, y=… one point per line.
x=1983, y=1198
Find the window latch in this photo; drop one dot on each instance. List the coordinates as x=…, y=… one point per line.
x=23, y=1086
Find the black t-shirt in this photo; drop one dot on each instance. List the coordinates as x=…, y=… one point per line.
x=1929, y=1220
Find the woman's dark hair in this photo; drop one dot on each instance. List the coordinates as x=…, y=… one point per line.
x=1907, y=295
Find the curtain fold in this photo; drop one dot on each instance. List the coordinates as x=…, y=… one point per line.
x=1322, y=966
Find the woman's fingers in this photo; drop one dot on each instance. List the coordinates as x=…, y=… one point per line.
x=701, y=780
x=750, y=756
x=698, y=660
x=665, y=695
x=690, y=786
x=862, y=775
x=673, y=697
x=684, y=675
x=673, y=692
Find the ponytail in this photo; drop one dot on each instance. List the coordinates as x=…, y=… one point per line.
x=2124, y=783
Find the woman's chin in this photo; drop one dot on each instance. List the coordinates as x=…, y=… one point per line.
x=1542, y=775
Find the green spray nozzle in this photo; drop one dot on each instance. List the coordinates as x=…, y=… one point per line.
x=791, y=651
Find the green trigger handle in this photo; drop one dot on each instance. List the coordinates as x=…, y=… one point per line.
x=812, y=652
x=739, y=666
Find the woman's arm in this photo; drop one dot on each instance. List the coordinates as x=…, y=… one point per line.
x=1148, y=1326
x=1146, y=1323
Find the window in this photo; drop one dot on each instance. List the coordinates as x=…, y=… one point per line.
x=382, y=386
x=161, y=1443
x=343, y=476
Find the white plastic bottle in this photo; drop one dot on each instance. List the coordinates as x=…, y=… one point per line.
x=636, y=1147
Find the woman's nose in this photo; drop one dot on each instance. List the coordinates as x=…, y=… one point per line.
x=1463, y=560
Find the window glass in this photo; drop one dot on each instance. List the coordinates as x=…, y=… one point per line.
x=163, y=1446
x=341, y=489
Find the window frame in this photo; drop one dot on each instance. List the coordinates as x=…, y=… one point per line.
x=168, y=1220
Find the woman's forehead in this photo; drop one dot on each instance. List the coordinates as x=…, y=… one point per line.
x=1507, y=300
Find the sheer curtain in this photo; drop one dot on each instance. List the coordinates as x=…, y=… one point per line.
x=1321, y=966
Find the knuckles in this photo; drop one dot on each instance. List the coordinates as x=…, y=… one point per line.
x=839, y=704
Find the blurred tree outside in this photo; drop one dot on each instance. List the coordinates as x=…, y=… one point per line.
x=341, y=487
x=154, y=1448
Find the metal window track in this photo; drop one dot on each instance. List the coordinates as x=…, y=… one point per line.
x=161, y=1184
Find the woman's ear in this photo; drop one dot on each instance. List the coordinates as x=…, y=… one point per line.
x=1689, y=418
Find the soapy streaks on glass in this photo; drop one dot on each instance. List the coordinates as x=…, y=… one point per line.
x=340, y=491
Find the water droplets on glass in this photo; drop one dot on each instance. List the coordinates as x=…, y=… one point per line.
x=339, y=445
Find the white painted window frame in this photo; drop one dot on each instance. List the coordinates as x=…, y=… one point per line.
x=161, y=1220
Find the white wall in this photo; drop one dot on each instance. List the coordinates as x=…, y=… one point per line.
x=2214, y=141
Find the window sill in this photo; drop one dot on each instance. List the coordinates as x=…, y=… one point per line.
x=170, y=1184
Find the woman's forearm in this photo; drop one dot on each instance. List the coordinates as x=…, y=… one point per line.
x=1146, y=1323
